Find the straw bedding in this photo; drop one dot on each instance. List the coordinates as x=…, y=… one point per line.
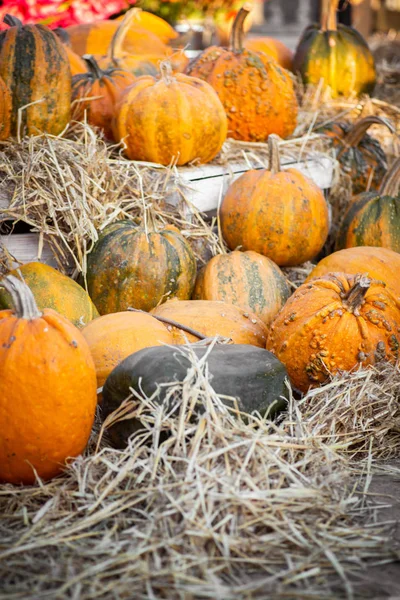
x=202, y=504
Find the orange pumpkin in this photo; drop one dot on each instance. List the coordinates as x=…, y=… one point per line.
x=76, y=63
x=113, y=337
x=257, y=94
x=102, y=90
x=211, y=318
x=274, y=48
x=155, y=24
x=246, y=279
x=5, y=110
x=280, y=214
x=47, y=389
x=176, y=118
x=335, y=323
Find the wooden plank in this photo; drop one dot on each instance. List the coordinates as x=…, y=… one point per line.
x=25, y=248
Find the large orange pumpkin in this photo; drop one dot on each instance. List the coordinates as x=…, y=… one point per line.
x=47, y=389
x=102, y=90
x=211, y=318
x=176, y=118
x=280, y=214
x=246, y=279
x=257, y=94
x=5, y=110
x=155, y=24
x=335, y=323
x=274, y=48
x=113, y=337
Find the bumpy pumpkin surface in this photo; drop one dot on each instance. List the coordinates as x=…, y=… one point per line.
x=253, y=376
x=257, y=94
x=280, y=214
x=113, y=337
x=211, y=318
x=103, y=90
x=176, y=118
x=129, y=268
x=246, y=279
x=35, y=68
x=373, y=218
x=360, y=155
x=52, y=289
x=5, y=110
x=335, y=323
x=273, y=48
x=336, y=54
x=47, y=389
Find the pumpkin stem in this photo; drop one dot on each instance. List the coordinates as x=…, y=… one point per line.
x=355, y=296
x=328, y=15
x=12, y=21
x=274, y=164
x=360, y=128
x=115, y=49
x=93, y=67
x=173, y=324
x=22, y=299
x=237, y=34
x=166, y=72
x=390, y=184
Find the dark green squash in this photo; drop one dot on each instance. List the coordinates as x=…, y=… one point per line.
x=133, y=268
x=252, y=375
x=373, y=218
x=336, y=54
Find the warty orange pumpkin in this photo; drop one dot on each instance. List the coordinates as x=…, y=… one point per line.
x=47, y=389
x=280, y=214
x=174, y=119
x=335, y=323
x=35, y=67
x=246, y=279
x=257, y=94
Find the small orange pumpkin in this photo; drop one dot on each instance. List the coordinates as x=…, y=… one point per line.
x=335, y=323
x=76, y=63
x=280, y=214
x=176, y=118
x=274, y=48
x=47, y=389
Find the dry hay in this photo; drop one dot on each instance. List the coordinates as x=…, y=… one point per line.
x=222, y=509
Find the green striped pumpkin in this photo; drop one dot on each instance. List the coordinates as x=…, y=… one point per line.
x=131, y=268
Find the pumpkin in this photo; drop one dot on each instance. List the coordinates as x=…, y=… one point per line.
x=223, y=22
x=5, y=110
x=47, y=389
x=257, y=94
x=274, y=48
x=113, y=337
x=103, y=90
x=379, y=263
x=176, y=118
x=76, y=62
x=253, y=376
x=373, y=218
x=336, y=54
x=211, y=318
x=246, y=279
x=335, y=323
x=35, y=68
x=155, y=24
x=360, y=155
x=52, y=289
x=280, y=214
x=130, y=267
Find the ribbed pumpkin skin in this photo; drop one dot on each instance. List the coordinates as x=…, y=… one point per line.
x=319, y=332
x=341, y=58
x=283, y=216
x=35, y=66
x=246, y=279
x=5, y=110
x=365, y=163
x=213, y=318
x=113, y=337
x=371, y=220
x=257, y=94
x=52, y=289
x=273, y=48
x=105, y=87
x=177, y=117
x=127, y=269
x=380, y=263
